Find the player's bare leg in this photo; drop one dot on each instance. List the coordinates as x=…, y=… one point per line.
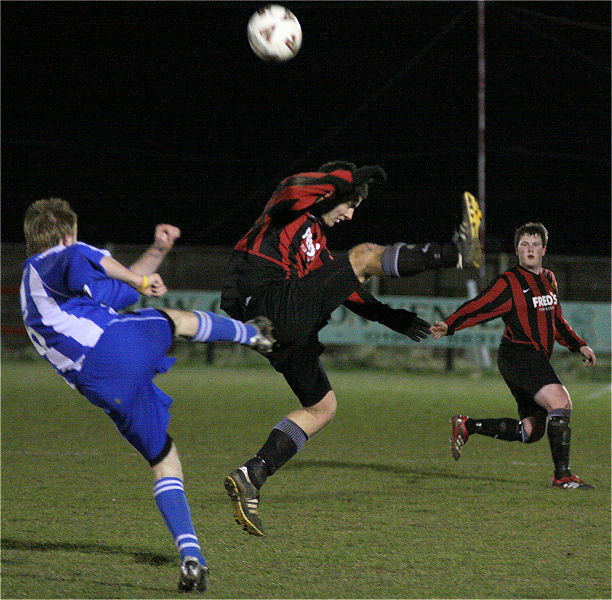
x=285, y=440
x=404, y=260
x=312, y=419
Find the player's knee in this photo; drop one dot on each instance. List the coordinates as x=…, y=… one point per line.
x=365, y=259
x=533, y=428
x=183, y=323
x=176, y=320
x=362, y=253
x=561, y=401
x=330, y=412
x=325, y=409
x=535, y=435
x=554, y=397
x=167, y=463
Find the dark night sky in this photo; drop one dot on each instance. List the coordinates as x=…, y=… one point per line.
x=139, y=113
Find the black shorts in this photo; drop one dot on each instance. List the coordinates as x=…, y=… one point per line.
x=299, y=308
x=526, y=371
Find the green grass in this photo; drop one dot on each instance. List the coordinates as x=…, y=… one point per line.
x=373, y=507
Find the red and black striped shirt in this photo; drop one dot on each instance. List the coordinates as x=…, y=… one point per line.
x=287, y=234
x=529, y=306
x=287, y=240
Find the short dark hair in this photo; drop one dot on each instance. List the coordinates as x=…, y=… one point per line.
x=335, y=165
x=360, y=191
x=531, y=229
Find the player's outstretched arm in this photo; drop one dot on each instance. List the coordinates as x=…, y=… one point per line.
x=406, y=322
x=400, y=320
x=438, y=329
x=147, y=285
x=165, y=236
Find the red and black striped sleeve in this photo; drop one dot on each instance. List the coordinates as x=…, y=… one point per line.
x=294, y=196
x=492, y=302
x=564, y=333
x=364, y=304
x=300, y=192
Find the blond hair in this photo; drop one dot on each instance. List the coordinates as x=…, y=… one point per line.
x=47, y=222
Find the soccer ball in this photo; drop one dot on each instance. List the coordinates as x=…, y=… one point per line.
x=274, y=33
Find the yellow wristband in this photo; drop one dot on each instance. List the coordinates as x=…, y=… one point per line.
x=144, y=285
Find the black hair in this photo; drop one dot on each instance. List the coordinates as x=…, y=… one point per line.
x=335, y=165
x=356, y=192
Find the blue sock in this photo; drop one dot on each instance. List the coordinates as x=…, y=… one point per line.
x=216, y=328
x=170, y=498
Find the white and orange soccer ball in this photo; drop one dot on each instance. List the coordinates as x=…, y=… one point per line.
x=274, y=33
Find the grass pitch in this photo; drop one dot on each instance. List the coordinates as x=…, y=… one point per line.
x=373, y=507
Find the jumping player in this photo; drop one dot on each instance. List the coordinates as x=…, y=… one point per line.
x=527, y=299
x=283, y=269
x=70, y=293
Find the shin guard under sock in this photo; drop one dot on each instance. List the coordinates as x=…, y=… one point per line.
x=559, y=437
x=284, y=441
x=402, y=260
x=505, y=429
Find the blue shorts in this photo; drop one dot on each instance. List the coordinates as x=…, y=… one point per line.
x=117, y=376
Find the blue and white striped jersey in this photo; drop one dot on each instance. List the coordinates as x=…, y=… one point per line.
x=67, y=301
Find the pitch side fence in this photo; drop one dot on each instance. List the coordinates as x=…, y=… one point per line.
x=591, y=320
x=584, y=284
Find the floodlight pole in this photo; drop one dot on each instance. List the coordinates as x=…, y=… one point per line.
x=472, y=285
x=481, y=125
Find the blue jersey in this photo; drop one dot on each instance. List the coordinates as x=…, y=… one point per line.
x=67, y=301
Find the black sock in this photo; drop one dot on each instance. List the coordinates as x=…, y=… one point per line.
x=284, y=441
x=403, y=260
x=559, y=437
x=505, y=429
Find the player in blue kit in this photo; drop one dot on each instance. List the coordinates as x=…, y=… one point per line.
x=70, y=294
